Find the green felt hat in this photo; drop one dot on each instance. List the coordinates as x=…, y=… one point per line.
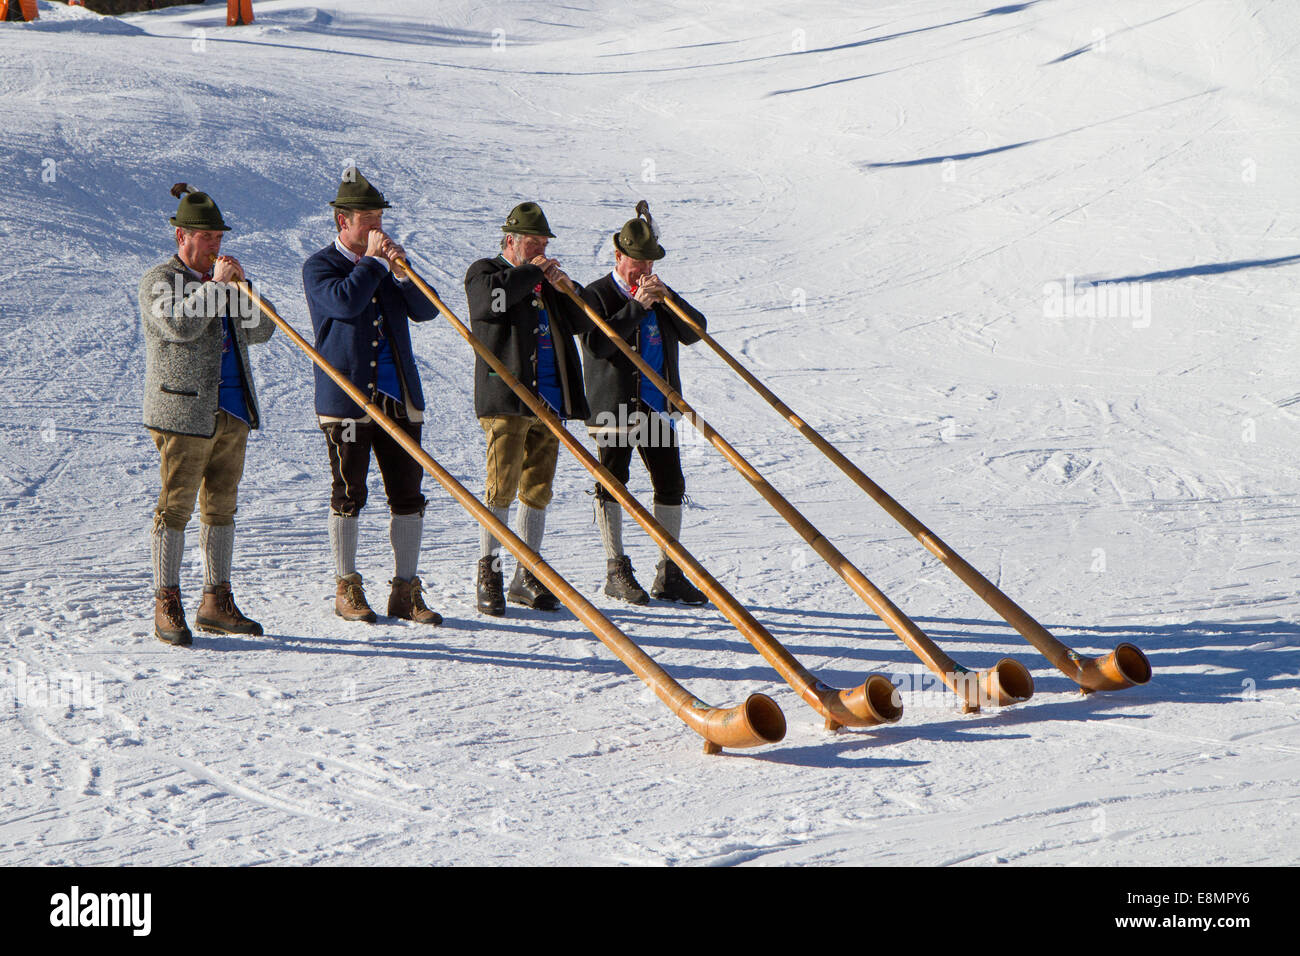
x=527, y=219
x=355, y=192
x=637, y=239
x=196, y=211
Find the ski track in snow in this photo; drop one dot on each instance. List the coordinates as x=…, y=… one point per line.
x=871, y=203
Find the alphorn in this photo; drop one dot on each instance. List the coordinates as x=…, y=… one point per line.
x=753, y=723
x=1123, y=667
x=1007, y=682
x=874, y=702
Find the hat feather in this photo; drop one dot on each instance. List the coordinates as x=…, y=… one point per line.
x=643, y=210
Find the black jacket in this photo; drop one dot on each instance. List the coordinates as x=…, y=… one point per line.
x=510, y=332
x=611, y=378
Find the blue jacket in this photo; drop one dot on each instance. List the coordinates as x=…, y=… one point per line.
x=347, y=304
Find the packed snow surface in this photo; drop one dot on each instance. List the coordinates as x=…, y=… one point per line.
x=891, y=212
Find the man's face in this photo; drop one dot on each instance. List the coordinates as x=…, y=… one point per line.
x=526, y=248
x=198, y=248
x=357, y=224
x=630, y=270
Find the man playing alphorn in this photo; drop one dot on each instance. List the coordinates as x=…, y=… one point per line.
x=627, y=411
x=199, y=404
x=517, y=311
x=360, y=314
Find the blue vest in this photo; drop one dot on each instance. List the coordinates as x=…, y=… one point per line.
x=231, y=395
x=548, y=376
x=387, y=380
x=651, y=349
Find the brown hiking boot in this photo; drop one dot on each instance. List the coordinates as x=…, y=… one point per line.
x=406, y=601
x=169, y=618
x=350, y=600
x=219, y=615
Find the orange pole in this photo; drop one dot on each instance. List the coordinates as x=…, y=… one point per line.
x=875, y=701
x=1123, y=667
x=1007, y=682
x=27, y=9
x=239, y=12
x=755, y=722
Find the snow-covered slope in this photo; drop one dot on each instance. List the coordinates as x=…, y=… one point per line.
x=883, y=208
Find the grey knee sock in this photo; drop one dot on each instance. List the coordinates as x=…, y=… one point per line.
x=489, y=546
x=343, y=544
x=670, y=516
x=167, y=547
x=532, y=526
x=404, y=531
x=218, y=545
x=609, y=516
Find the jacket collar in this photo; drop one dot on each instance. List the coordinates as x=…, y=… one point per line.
x=179, y=266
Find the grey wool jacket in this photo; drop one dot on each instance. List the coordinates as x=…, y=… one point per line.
x=182, y=334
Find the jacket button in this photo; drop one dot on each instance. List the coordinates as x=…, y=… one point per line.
x=375, y=300
x=537, y=303
x=375, y=344
x=372, y=364
x=376, y=323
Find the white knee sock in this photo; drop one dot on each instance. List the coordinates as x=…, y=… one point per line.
x=167, y=547
x=405, y=531
x=343, y=544
x=488, y=546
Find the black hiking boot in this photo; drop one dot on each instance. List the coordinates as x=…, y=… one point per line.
x=620, y=582
x=525, y=589
x=491, y=597
x=671, y=585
